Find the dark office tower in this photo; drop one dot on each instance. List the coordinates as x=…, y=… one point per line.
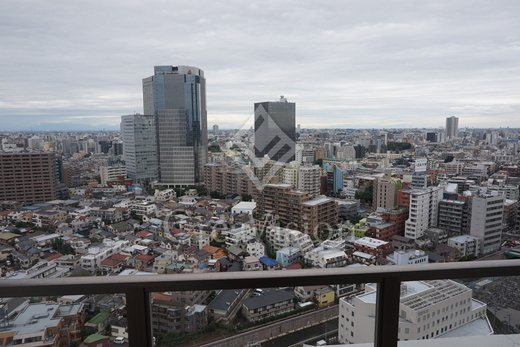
x=275, y=130
x=28, y=177
x=177, y=96
x=360, y=151
x=452, y=127
x=431, y=137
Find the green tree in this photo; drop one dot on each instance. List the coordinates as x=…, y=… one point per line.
x=449, y=159
x=399, y=146
x=214, y=148
x=246, y=197
x=366, y=195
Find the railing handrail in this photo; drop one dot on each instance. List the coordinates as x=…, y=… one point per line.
x=138, y=288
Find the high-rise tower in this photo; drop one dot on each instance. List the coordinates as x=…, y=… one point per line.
x=275, y=130
x=176, y=95
x=452, y=127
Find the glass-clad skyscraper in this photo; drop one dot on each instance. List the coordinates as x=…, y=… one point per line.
x=176, y=95
x=139, y=134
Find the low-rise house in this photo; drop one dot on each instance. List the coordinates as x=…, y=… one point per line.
x=110, y=215
x=64, y=230
x=214, y=251
x=119, y=327
x=288, y=255
x=144, y=261
x=448, y=253
x=5, y=251
x=466, y=244
x=112, y=265
x=120, y=228
x=47, y=218
x=68, y=261
x=269, y=263
x=236, y=253
x=98, y=323
x=161, y=262
x=307, y=293
x=96, y=340
x=267, y=305
x=199, y=256
x=324, y=296
x=226, y=304
x=251, y=263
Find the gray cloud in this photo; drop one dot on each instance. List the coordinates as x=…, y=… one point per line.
x=345, y=64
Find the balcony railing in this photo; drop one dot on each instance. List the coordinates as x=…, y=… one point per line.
x=138, y=288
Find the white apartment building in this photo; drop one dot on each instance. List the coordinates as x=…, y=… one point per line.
x=108, y=173
x=424, y=205
x=165, y=195
x=428, y=309
x=239, y=236
x=487, y=214
x=409, y=257
x=92, y=260
x=309, y=179
x=290, y=175
x=325, y=258
x=510, y=192
x=281, y=237
x=466, y=244
x=454, y=168
x=255, y=248
x=143, y=208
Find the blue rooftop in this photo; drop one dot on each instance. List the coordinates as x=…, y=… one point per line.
x=268, y=261
x=31, y=207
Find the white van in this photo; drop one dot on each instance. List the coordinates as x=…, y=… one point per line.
x=119, y=340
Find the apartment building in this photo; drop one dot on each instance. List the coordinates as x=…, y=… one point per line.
x=424, y=205
x=466, y=244
x=454, y=216
x=28, y=177
x=296, y=208
x=385, y=191
x=92, y=260
x=227, y=179
x=281, y=237
x=428, y=309
x=309, y=179
x=487, y=212
x=109, y=173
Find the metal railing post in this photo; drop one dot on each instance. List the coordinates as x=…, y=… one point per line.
x=138, y=316
x=387, y=312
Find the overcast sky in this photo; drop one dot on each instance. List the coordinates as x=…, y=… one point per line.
x=347, y=64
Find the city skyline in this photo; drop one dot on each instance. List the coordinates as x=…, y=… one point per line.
x=354, y=65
